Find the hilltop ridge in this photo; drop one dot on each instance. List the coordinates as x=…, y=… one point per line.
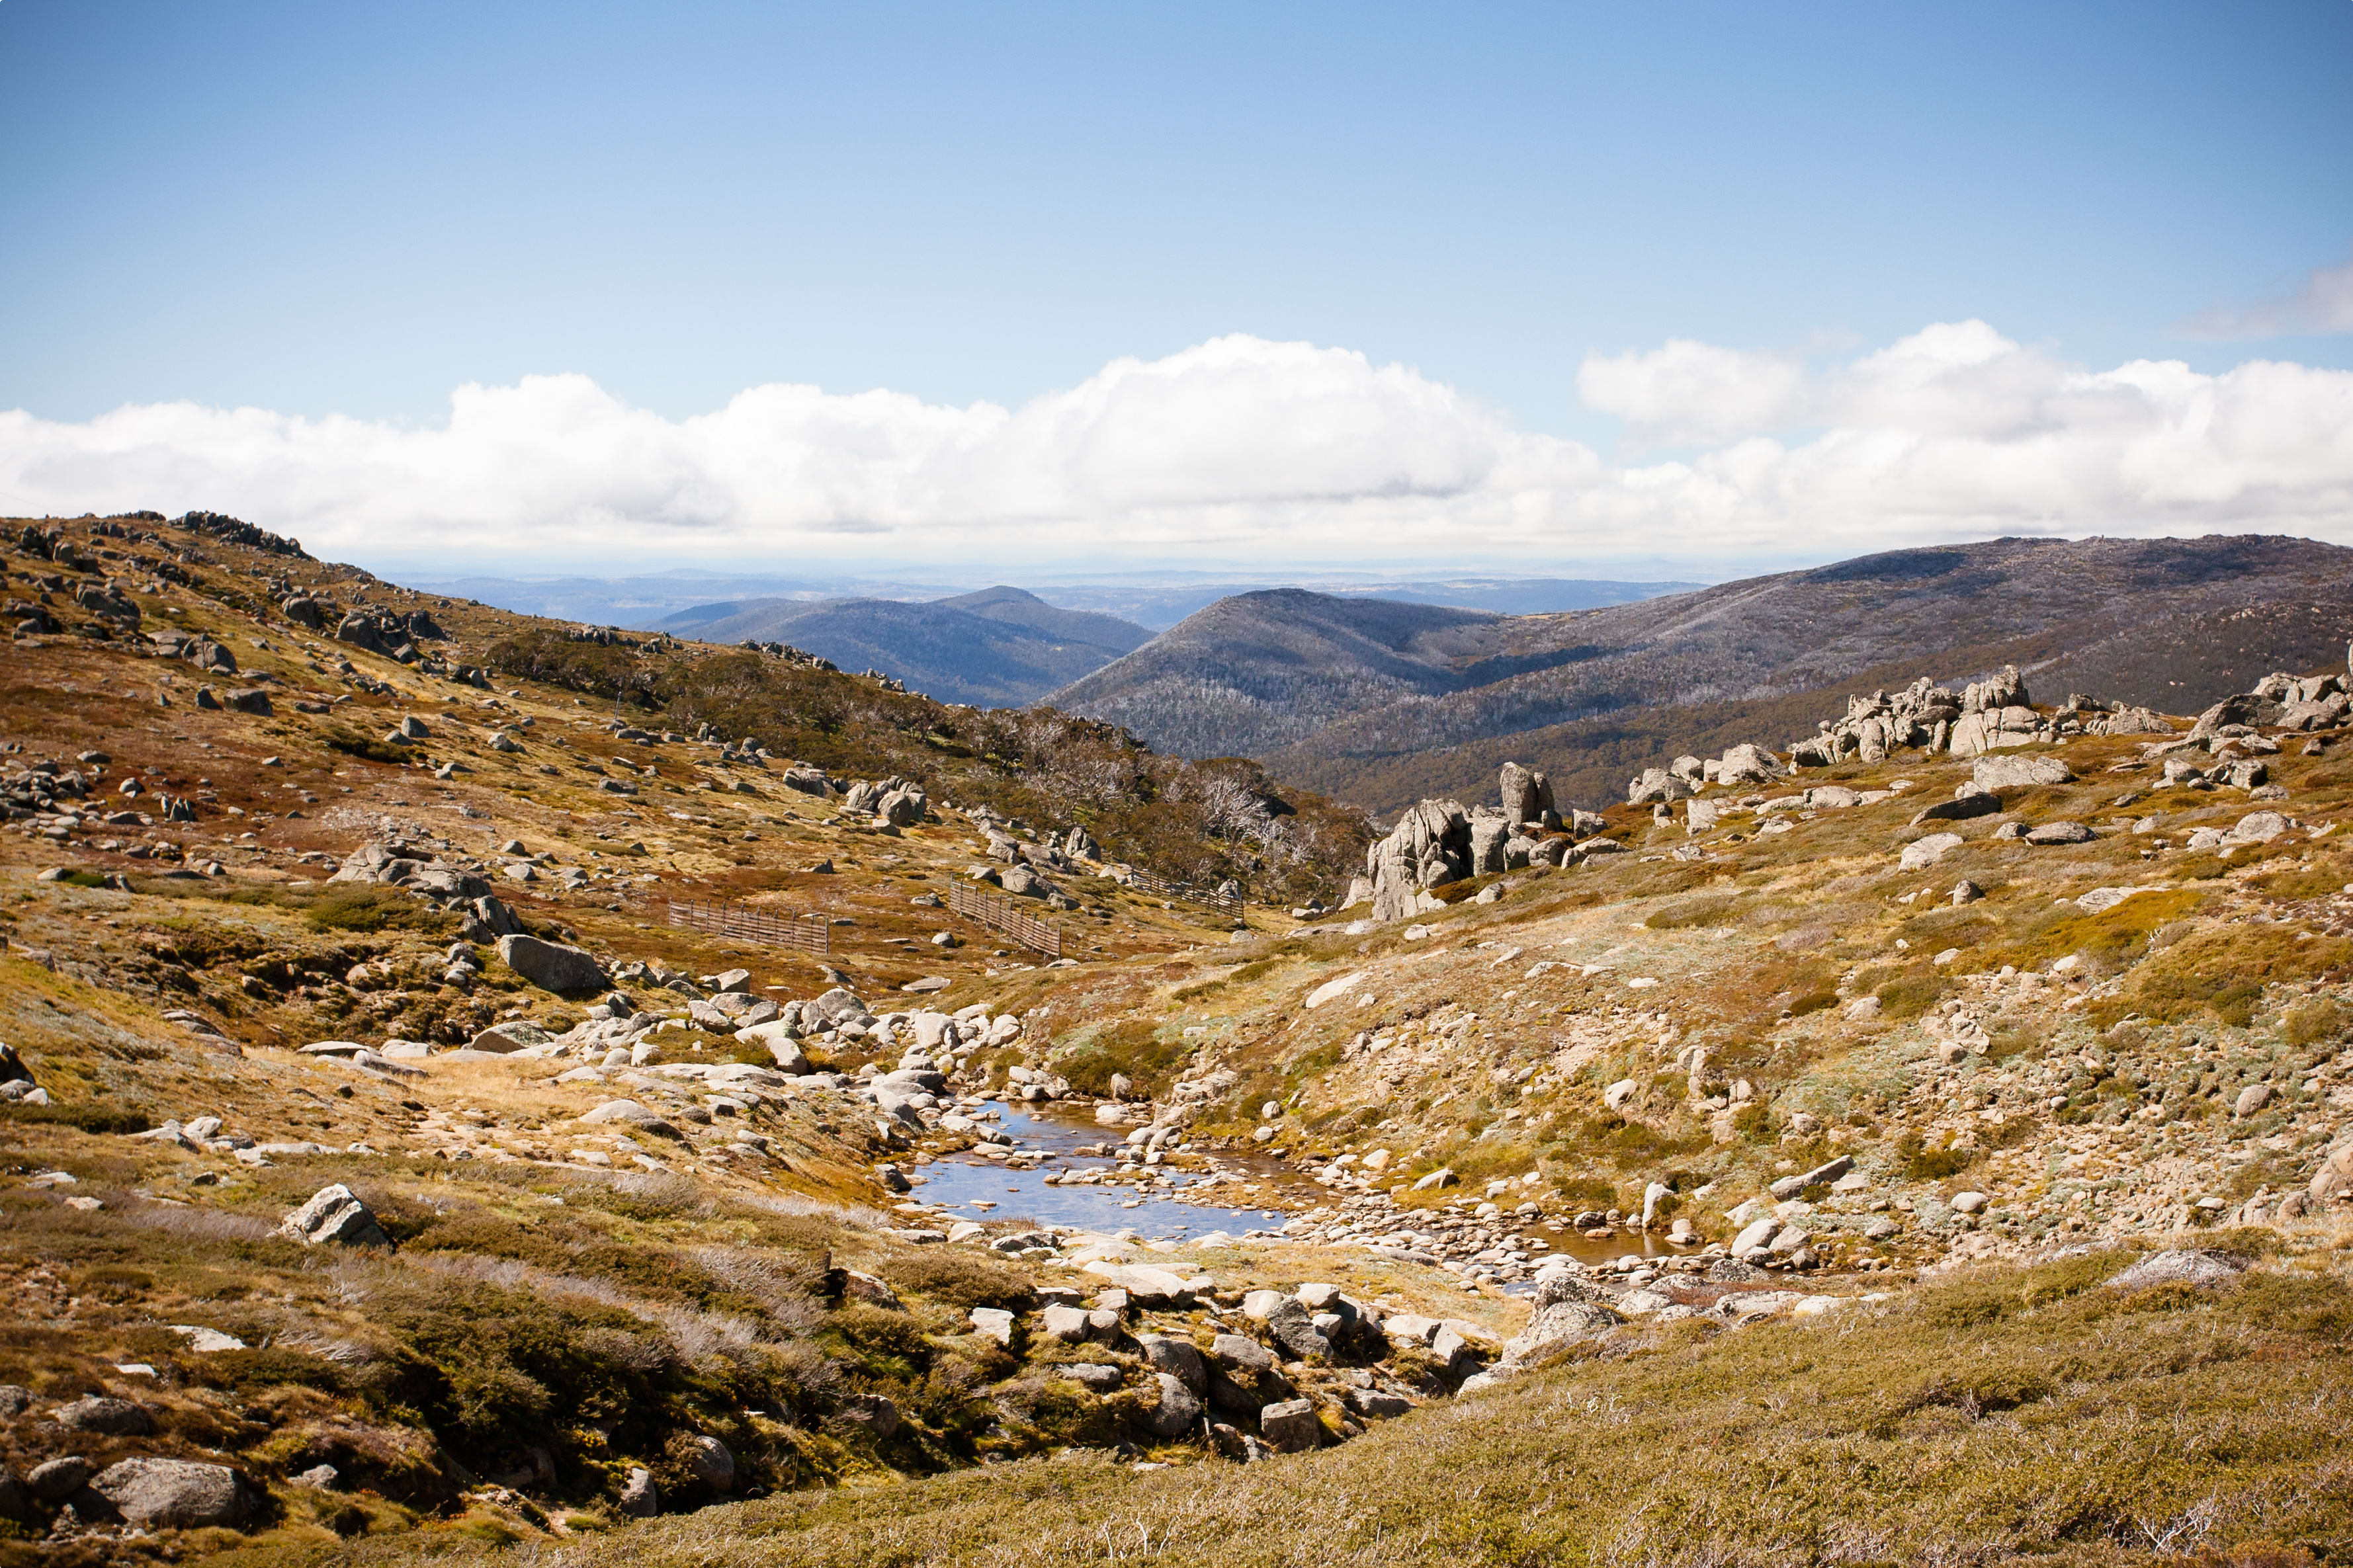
x=1594, y=695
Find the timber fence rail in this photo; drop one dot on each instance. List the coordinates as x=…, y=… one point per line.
x=1001, y=914
x=803, y=933
x=1146, y=882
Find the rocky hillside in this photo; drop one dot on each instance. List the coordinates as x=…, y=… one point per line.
x=413, y=1146
x=999, y=647
x=1597, y=694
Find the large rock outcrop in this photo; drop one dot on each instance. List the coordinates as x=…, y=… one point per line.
x=1429, y=847
x=551, y=965
x=1527, y=797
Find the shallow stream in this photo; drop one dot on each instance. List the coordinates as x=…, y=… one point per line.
x=966, y=1182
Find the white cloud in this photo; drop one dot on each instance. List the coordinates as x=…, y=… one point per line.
x=1244, y=450
x=1685, y=392
x=2323, y=302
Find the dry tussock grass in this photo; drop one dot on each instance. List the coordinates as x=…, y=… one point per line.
x=2009, y=1414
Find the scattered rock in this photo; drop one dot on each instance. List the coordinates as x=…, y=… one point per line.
x=1290, y=1426
x=1790, y=1187
x=552, y=966
x=98, y=1413
x=1961, y=808
x=877, y=1414
x=1927, y=851
x=1178, y=1410
x=1179, y=1358
x=334, y=1214
x=707, y=1461
x=865, y=1288
x=1567, y=1311
x=2020, y=772
x=2180, y=1266
x=175, y=1494
x=59, y=1479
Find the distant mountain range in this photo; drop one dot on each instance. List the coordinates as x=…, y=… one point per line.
x=639, y=602
x=1001, y=647
x=1382, y=704
x=1161, y=599
x=1155, y=599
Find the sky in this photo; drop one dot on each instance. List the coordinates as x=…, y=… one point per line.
x=1675, y=290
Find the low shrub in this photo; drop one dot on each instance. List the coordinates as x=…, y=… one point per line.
x=86, y=1115
x=372, y=907
x=957, y=1277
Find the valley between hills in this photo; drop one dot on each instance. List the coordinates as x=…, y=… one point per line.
x=484, y=1089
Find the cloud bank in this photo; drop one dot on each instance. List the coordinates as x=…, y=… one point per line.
x=1245, y=448
x=2323, y=303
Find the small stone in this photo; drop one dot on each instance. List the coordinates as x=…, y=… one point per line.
x=1968, y=1203
x=865, y=1288
x=1068, y=1324
x=1179, y=1358
x=1290, y=1426
x=993, y=1323
x=1178, y=1411
x=1927, y=851
x=59, y=1479
x=707, y=1459
x=872, y=1411
x=96, y=1413
x=640, y=1498
x=1240, y=1350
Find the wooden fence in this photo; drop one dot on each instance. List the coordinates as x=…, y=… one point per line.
x=1001, y=915
x=1146, y=882
x=804, y=934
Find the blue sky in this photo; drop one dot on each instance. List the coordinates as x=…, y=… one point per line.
x=354, y=210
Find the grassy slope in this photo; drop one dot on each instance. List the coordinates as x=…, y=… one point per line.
x=2031, y=1415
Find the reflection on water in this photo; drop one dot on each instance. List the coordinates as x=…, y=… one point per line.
x=963, y=1180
